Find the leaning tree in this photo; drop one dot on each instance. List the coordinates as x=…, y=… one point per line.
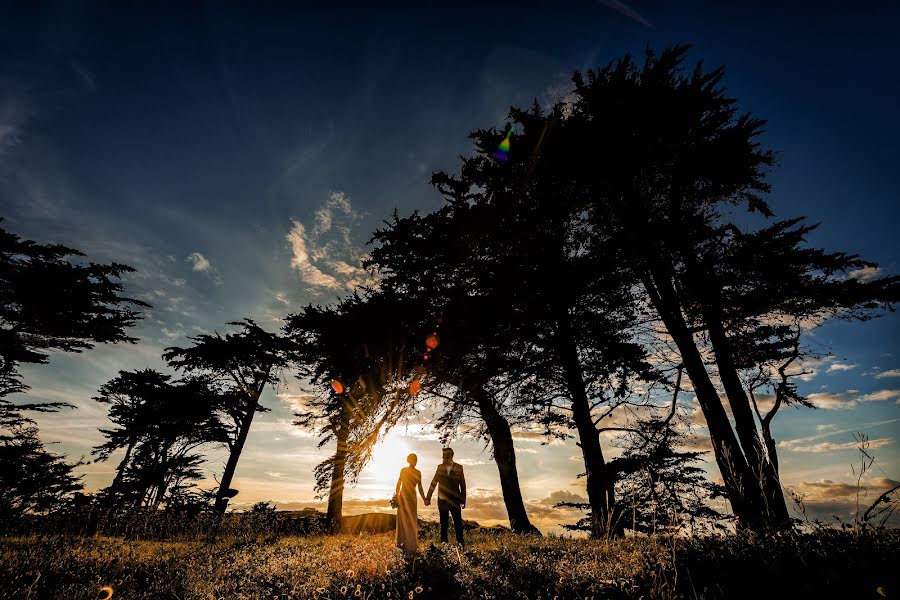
x=160, y=424
x=244, y=361
x=662, y=161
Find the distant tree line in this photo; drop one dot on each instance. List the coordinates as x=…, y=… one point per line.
x=621, y=253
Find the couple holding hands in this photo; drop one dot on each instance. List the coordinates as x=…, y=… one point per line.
x=451, y=484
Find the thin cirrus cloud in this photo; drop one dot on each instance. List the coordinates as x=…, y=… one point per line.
x=834, y=446
x=812, y=443
x=890, y=373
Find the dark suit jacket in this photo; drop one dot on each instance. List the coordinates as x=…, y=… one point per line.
x=452, y=487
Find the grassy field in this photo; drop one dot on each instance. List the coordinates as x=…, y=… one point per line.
x=824, y=564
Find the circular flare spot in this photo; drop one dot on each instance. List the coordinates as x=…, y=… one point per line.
x=432, y=341
x=415, y=386
x=337, y=386
x=106, y=592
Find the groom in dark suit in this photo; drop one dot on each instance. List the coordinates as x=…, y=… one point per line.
x=451, y=484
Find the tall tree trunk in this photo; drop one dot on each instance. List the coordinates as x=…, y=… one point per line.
x=334, y=515
x=765, y=472
x=120, y=470
x=233, y=457
x=253, y=395
x=740, y=484
x=505, y=457
x=600, y=481
x=110, y=504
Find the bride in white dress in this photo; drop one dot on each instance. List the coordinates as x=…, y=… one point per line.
x=407, y=513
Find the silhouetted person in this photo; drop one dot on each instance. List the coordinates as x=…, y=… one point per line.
x=407, y=518
x=451, y=484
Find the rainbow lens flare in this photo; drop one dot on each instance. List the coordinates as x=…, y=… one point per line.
x=502, y=151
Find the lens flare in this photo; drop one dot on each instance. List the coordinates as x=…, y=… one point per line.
x=502, y=151
x=432, y=341
x=106, y=592
x=415, y=386
x=337, y=387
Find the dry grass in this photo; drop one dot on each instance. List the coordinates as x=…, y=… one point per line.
x=493, y=566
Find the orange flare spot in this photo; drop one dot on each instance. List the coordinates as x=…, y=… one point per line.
x=432, y=341
x=337, y=386
x=415, y=387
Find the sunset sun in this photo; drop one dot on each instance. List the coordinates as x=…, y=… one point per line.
x=388, y=457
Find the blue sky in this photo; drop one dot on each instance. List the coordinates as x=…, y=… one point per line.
x=239, y=157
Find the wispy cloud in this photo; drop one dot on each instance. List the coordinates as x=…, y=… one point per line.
x=804, y=444
x=625, y=10
x=849, y=399
x=325, y=255
x=880, y=395
x=840, y=367
x=890, y=373
x=833, y=446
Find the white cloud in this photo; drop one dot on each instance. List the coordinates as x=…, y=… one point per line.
x=199, y=262
x=832, y=400
x=865, y=274
x=325, y=256
x=880, y=395
x=891, y=373
x=825, y=426
x=849, y=399
x=309, y=273
x=840, y=367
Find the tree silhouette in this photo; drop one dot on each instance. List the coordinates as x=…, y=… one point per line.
x=49, y=303
x=479, y=360
x=355, y=356
x=658, y=158
x=32, y=480
x=245, y=361
x=161, y=424
x=127, y=396
x=518, y=238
